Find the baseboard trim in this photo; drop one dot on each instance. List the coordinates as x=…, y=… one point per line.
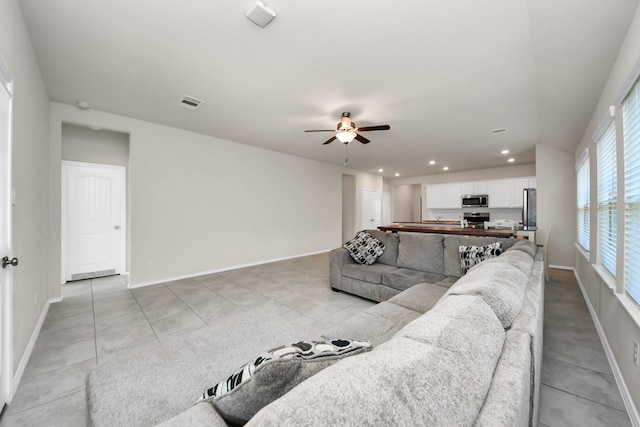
x=562, y=267
x=15, y=382
x=632, y=411
x=219, y=270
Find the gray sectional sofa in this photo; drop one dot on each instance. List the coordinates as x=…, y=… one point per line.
x=447, y=350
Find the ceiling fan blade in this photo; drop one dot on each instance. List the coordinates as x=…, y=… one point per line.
x=380, y=127
x=362, y=139
x=329, y=141
x=321, y=130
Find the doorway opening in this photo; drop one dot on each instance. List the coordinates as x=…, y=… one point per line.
x=95, y=213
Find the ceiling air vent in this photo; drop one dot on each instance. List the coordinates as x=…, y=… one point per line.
x=190, y=103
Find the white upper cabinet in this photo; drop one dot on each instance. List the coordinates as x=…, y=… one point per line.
x=499, y=194
x=517, y=185
x=477, y=187
x=503, y=193
x=444, y=196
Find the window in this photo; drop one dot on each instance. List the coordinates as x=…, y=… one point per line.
x=582, y=168
x=631, y=132
x=607, y=198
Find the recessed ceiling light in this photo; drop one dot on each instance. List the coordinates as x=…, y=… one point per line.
x=505, y=151
x=381, y=170
x=397, y=174
x=446, y=168
x=511, y=160
x=432, y=162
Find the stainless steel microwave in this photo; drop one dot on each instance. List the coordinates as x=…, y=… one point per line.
x=475, y=201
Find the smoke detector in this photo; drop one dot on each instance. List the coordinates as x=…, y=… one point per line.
x=190, y=103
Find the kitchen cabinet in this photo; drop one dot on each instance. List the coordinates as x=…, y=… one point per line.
x=517, y=185
x=444, y=196
x=503, y=193
x=477, y=187
x=499, y=194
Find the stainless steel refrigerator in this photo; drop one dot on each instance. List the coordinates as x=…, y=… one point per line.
x=529, y=221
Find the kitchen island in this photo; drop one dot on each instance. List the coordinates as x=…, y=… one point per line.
x=394, y=228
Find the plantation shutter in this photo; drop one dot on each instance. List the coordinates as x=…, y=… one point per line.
x=607, y=198
x=631, y=127
x=583, y=204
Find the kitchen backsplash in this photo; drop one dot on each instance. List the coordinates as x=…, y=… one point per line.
x=456, y=214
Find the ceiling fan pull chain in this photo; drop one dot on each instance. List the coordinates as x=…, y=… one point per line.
x=346, y=154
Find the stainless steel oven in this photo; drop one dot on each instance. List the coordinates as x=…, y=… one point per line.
x=475, y=201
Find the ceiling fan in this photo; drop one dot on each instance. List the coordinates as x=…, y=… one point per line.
x=346, y=131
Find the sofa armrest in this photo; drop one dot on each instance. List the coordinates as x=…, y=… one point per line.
x=337, y=258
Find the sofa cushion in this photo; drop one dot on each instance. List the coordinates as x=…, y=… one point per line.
x=202, y=414
x=421, y=297
x=390, y=242
x=526, y=246
x=500, y=285
x=423, y=252
x=367, y=273
x=364, y=248
x=472, y=255
x=508, y=401
x=274, y=373
x=375, y=325
x=452, y=244
x=517, y=259
x=415, y=382
x=404, y=278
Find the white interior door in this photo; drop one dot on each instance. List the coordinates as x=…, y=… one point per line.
x=93, y=220
x=6, y=273
x=371, y=209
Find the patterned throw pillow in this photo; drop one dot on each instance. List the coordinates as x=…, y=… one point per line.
x=364, y=248
x=472, y=255
x=272, y=374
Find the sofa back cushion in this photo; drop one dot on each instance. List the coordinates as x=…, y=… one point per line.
x=423, y=252
x=501, y=285
x=526, y=246
x=517, y=259
x=390, y=241
x=412, y=379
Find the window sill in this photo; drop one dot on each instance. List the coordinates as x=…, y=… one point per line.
x=606, y=276
x=584, y=253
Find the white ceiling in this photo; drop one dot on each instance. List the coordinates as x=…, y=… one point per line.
x=442, y=74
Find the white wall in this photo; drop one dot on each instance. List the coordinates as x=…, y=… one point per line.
x=83, y=144
x=202, y=204
x=617, y=316
x=556, y=199
x=30, y=156
x=405, y=202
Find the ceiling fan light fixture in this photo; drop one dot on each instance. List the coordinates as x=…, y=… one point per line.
x=346, y=136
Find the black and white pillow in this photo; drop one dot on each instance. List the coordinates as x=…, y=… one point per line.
x=364, y=248
x=272, y=374
x=472, y=255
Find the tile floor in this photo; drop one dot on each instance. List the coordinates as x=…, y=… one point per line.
x=101, y=317
x=578, y=387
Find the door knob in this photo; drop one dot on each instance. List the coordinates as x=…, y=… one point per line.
x=117, y=227
x=6, y=261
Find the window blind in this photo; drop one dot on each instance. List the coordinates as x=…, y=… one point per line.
x=583, y=203
x=607, y=198
x=631, y=132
